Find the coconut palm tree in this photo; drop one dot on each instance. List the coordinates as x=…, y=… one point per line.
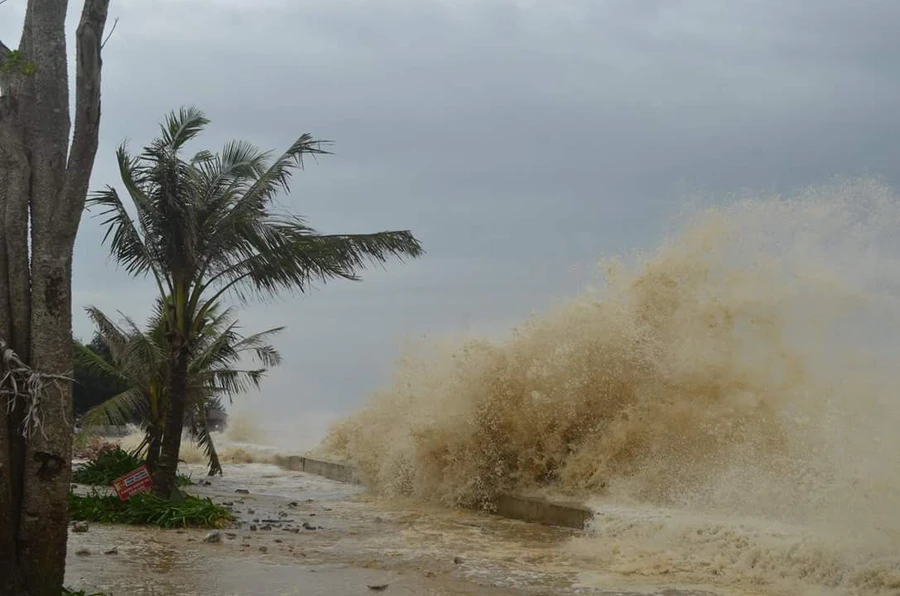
x=138, y=362
x=207, y=226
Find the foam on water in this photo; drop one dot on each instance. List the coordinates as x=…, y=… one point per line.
x=743, y=370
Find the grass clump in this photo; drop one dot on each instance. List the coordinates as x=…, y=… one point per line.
x=148, y=510
x=110, y=463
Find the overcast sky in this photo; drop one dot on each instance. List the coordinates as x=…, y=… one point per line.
x=519, y=140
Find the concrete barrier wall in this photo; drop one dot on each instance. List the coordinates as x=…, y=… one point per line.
x=327, y=469
x=542, y=511
x=529, y=509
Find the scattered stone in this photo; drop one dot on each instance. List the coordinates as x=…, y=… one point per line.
x=378, y=520
x=230, y=535
x=213, y=537
x=227, y=503
x=179, y=531
x=242, y=491
x=429, y=574
x=80, y=527
x=326, y=508
x=256, y=520
x=264, y=549
x=282, y=514
x=312, y=514
x=310, y=500
x=293, y=504
x=206, y=483
x=457, y=560
x=378, y=588
x=251, y=511
x=83, y=552
x=192, y=540
x=111, y=551
x=253, y=527
x=287, y=529
x=279, y=540
x=266, y=528
x=308, y=526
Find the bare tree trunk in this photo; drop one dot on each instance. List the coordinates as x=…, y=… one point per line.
x=164, y=480
x=43, y=184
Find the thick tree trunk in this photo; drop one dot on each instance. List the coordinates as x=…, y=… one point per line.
x=44, y=520
x=164, y=480
x=15, y=313
x=43, y=184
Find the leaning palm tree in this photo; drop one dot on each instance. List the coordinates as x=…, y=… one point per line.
x=208, y=226
x=138, y=362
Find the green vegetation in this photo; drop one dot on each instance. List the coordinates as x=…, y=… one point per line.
x=91, y=388
x=14, y=62
x=112, y=463
x=136, y=361
x=148, y=510
x=208, y=225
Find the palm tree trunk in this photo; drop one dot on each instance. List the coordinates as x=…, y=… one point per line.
x=164, y=479
x=154, y=437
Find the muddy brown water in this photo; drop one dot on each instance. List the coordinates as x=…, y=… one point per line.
x=359, y=542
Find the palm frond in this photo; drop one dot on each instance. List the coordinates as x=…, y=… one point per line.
x=230, y=382
x=277, y=177
x=182, y=126
x=267, y=354
x=117, y=410
x=290, y=256
x=113, y=336
x=96, y=364
x=125, y=243
x=201, y=434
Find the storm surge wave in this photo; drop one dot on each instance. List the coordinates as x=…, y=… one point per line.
x=745, y=368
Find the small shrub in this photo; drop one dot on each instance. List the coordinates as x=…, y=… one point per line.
x=148, y=510
x=111, y=462
x=107, y=465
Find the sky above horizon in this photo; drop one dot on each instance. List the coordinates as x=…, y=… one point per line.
x=519, y=141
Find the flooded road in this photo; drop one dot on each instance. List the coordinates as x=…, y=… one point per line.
x=357, y=544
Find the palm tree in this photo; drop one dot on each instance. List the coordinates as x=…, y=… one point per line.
x=138, y=362
x=208, y=226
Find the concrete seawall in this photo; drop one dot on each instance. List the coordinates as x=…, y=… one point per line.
x=327, y=469
x=528, y=509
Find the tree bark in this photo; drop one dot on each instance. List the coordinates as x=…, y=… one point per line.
x=43, y=185
x=164, y=479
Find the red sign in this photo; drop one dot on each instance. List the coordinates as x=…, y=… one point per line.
x=133, y=483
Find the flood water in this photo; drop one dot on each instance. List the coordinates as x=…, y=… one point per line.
x=360, y=541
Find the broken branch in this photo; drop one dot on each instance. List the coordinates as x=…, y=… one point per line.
x=111, y=31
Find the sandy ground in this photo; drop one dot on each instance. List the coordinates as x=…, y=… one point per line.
x=351, y=544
